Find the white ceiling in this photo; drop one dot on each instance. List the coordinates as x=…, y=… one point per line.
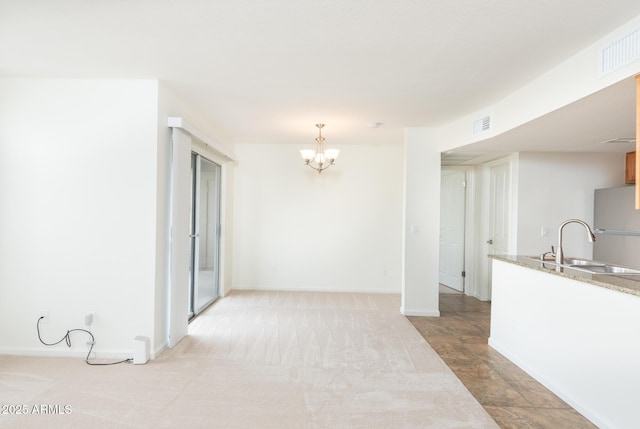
x=584, y=126
x=266, y=71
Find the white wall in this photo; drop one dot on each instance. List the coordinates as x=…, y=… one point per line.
x=295, y=229
x=421, y=233
x=78, y=185
x=554, y=187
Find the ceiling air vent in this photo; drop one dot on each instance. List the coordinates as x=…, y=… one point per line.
x=620, y=53
x=482, y=124
x=619, y=140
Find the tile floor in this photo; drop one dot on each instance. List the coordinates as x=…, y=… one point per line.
x=510, y=396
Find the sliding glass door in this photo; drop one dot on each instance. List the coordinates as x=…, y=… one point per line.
x=205, y=233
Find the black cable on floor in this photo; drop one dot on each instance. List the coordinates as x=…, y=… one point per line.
x=67, y=340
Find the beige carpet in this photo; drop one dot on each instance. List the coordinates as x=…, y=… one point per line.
x=259, y=360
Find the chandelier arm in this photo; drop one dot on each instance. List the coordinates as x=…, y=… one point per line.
x=324, y=166
x=310, y=164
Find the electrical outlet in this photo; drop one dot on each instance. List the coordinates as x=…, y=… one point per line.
x=88, y=318
x=43, y=314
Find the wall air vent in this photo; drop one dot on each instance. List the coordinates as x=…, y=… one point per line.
x=482, y=124
x=620, y=53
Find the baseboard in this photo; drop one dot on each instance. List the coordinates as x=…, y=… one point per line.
x=549, y=385
x=415, y=312
x=159, y=350
x=333, y=290
x=68, y=353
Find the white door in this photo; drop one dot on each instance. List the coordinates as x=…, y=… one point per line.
x=497, y=220
x=452, y=219
x=499, y=208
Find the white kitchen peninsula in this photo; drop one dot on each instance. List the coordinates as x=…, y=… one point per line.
x=576, y=333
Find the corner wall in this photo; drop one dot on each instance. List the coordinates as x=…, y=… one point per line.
x=421, y=232
x=78, y=172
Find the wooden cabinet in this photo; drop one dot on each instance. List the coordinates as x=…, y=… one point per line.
x=630, y=171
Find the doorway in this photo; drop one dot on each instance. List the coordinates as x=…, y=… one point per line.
x=452, y=228
x=204, y=272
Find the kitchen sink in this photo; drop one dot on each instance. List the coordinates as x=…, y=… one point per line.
x=582, y=262
x=607, y=269
x=589, y=266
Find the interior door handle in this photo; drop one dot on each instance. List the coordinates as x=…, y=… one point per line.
x=489, y=241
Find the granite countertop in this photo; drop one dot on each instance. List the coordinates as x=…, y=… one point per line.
x=622, y=283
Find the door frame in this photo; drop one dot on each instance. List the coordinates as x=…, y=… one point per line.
x=205, y=151
x=471, y=228
x=196, y=161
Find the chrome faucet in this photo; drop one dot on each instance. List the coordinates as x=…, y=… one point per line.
x=552, y=254
x=559, y=253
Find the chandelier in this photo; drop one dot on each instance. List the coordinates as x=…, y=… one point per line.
x=319, y=159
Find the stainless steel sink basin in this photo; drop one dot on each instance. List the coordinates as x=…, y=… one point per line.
x=589, y=266
x=597, y=267
x=607, y=269
x=582, y=262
